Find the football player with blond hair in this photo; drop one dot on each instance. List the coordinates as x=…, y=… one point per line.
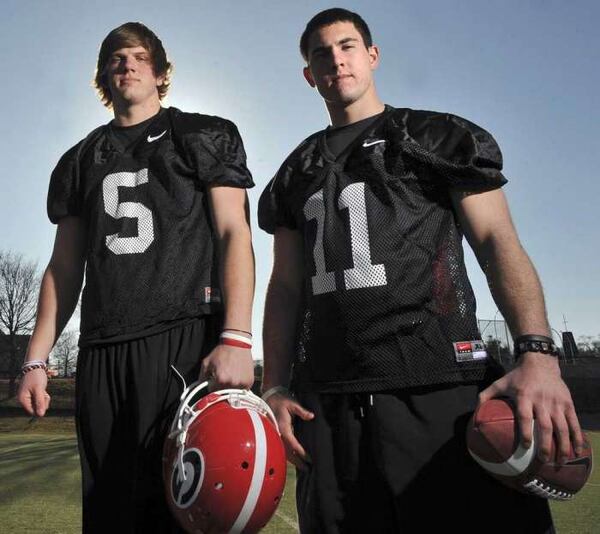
x=152, y=206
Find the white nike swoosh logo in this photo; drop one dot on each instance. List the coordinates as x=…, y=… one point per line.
x=150, y=138
x=371, y=143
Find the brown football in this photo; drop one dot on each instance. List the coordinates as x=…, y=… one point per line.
x=493, y=440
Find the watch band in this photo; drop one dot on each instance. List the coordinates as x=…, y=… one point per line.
x=535, y=343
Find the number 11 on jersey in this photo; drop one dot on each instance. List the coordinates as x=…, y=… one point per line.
x=363, y=273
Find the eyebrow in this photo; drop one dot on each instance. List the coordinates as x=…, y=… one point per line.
x=121, y=55
x=343, y=41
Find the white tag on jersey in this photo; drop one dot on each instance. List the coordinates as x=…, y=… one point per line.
x=467, y=351
x=211, y=294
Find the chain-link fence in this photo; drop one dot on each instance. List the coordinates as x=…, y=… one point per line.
x=498, y=340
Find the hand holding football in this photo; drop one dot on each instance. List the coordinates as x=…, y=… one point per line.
x=494, y=442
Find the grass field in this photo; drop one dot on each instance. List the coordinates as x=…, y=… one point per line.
x=40, y=481
x=40, y=490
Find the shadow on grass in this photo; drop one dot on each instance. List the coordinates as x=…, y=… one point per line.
x=40, y=466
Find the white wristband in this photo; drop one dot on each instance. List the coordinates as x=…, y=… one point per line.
x=32, y=365
x=34, y=362
x=235, y=340
x=274, y=390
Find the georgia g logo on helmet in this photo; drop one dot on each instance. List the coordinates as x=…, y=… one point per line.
x=185, y=486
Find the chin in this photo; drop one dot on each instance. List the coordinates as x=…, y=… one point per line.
x=133, y=97
x=341, y=100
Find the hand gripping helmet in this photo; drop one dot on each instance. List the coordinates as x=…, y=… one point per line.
x=224, y=463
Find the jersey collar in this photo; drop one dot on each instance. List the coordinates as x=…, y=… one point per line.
x=363, y=136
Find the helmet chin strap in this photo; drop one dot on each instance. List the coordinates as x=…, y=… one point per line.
x=183, y=418
x=180, y=376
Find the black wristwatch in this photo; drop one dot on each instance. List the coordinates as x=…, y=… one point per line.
x=535, y=343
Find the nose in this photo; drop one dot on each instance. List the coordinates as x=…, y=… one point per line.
x=337, y=58
x=129, y=63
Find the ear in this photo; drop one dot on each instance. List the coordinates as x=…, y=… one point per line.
x=373, y=52
x=160, y=80
x=308, y=76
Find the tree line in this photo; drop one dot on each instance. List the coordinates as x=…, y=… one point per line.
x=19, y=291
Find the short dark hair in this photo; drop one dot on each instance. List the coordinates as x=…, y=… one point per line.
x=328, y=17
x=129, y=35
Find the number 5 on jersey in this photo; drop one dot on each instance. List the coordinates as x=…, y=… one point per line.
x=363, y=273
x=132, y=210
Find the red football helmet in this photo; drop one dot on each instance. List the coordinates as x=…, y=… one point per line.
x=224, y=463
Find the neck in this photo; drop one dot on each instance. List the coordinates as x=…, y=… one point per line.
x=342, y=114
x=127, y=114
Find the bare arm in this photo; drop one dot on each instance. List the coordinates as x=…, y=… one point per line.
x=59, y=292
x=513, y=281
x=279, y=336
x=233, y=366
x=535, y=383
x=282, y=307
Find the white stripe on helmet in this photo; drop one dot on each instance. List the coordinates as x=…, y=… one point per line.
x=258, y=475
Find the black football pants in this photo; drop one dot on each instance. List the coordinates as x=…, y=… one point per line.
x=397, y=462
x=126, y=396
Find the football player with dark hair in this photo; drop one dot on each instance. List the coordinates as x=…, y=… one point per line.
x=153, y=206
x=373, y=359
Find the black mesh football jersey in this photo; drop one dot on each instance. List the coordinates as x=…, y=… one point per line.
x=387, y=302
x=151, y=254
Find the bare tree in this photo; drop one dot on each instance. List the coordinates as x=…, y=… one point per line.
x=588, y=345
x=65, y=351
x=19, y=286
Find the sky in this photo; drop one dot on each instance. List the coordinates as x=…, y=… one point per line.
x=528, y=71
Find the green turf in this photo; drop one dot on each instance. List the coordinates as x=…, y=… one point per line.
x=40, y=490
x=40, y=484
x=582, y=514
x=36, y=425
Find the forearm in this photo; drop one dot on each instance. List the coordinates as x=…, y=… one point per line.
x=534, y=384
x=515, y=286
x=226, y=365
x=59, y=293
x=237, y=279
x=279, y=334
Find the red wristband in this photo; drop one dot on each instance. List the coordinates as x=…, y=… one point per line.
x=235, y=340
